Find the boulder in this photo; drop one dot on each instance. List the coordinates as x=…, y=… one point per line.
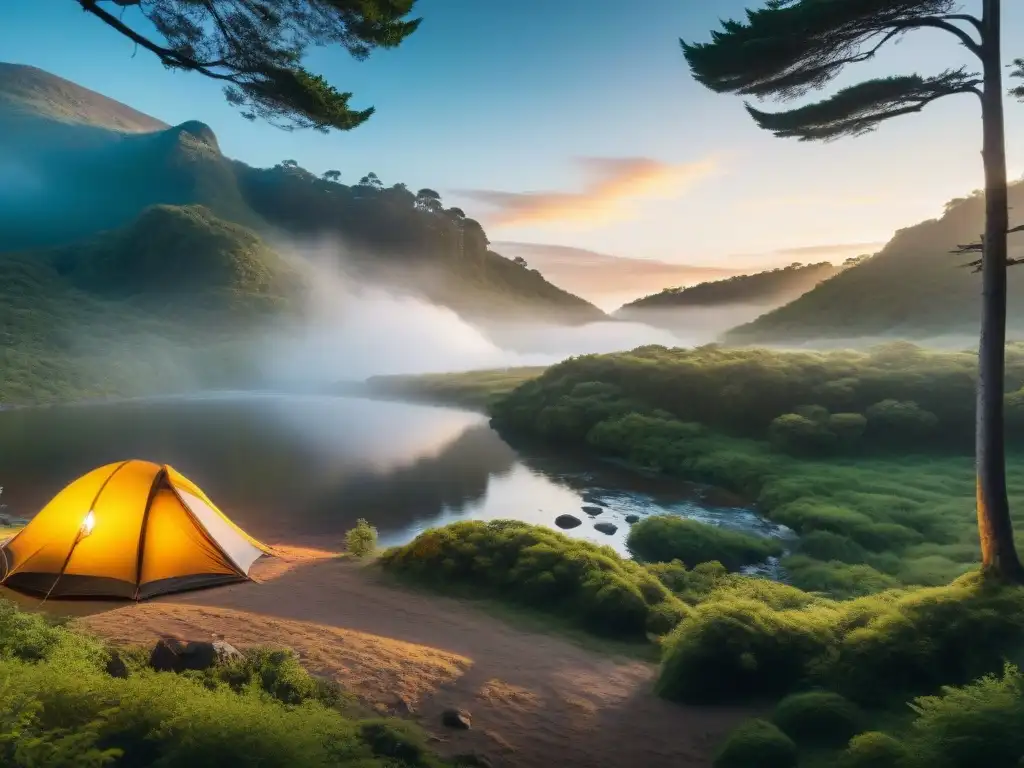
x=567, y=521
x=590, y=509
x=606, y=528
x=632, y=519
x=456, y=718
x=173, y=655
x=115, y=666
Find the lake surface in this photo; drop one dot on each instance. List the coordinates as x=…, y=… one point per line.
x=302, y=469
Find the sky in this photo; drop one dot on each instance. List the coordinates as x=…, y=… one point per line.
x=577, y=123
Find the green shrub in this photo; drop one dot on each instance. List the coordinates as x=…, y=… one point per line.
x=976, y=725
x=757, y=744
x=663, y=538
x=361, y=540
x=874, y=750
x=734, y=648
x=690, y=586
x=60, y=709
x=543, y=569
x=875, y=650
x=820, y=718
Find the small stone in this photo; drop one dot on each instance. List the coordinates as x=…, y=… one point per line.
x=166, y=655
x=632, y=519
x=567, y=521
x=456, y=718
x=606, y=528
x=590, y=509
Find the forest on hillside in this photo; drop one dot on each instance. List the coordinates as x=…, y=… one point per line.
x=409, y=238
x=915, y=287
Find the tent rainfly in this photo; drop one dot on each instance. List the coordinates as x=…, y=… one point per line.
x=132, y=530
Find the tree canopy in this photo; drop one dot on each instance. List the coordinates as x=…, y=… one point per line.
x=791, y=47
x=256, y=49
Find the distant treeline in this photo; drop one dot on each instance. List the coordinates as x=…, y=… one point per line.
x=894, y=397
x=783, y=283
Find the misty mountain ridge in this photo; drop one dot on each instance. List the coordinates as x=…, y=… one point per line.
x=79, y=163
x=913, y=288
x=770, y=287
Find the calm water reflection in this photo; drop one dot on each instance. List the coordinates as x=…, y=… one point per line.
x=302, y=469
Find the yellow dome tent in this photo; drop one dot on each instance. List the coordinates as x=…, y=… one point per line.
x=133, y=530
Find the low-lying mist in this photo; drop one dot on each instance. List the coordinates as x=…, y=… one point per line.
x=349, y=329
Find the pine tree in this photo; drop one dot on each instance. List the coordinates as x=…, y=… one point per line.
x=789, y=48
x=255, y=47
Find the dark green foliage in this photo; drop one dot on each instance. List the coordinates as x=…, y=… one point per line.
x=119, y=316
x=256, y=50
x=808, y=400
x=874, y=650
x=59, y=708
x=975, y=725
x=543, y=569
x=777, y=286
x=757, y=744
x=818, y=718
x=663, y=538
x=178, y=260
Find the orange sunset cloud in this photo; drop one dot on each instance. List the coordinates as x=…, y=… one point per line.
x=614, y=183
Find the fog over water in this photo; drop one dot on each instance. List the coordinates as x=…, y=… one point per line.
x=353, y=330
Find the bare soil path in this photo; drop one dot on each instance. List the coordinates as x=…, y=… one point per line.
x=535, y=699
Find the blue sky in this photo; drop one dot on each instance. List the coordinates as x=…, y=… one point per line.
x=507, y=96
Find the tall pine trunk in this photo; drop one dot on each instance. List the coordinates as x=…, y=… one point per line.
x=998, y=554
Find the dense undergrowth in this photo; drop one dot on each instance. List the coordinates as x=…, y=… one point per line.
x=727, y=638
x=59, y=707
x=884, y=607
x=866, y=455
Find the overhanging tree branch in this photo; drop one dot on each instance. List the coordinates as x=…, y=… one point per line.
x=256, y=49
x=859, y=108
x=789, y=48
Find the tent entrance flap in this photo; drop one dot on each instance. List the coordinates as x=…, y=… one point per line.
x=132, y=529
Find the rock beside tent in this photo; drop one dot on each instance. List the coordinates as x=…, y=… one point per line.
x=171, y=654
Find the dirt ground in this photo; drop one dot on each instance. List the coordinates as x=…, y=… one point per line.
x=535, y=699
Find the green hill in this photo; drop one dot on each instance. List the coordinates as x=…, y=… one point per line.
x=158, y=306
x=79, y=163
x=913, y=288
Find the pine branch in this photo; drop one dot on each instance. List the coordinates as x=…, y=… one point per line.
x=979, y=246
x=785, y=50
x=859, y=109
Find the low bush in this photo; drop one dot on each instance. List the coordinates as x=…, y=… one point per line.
x=59, y=708
x=819, y=718
x=543, y=569
x=977, y=724
x=663, y=538
x=875, y=650
x=874, y=750
x=757, y=744
x=361, y=540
